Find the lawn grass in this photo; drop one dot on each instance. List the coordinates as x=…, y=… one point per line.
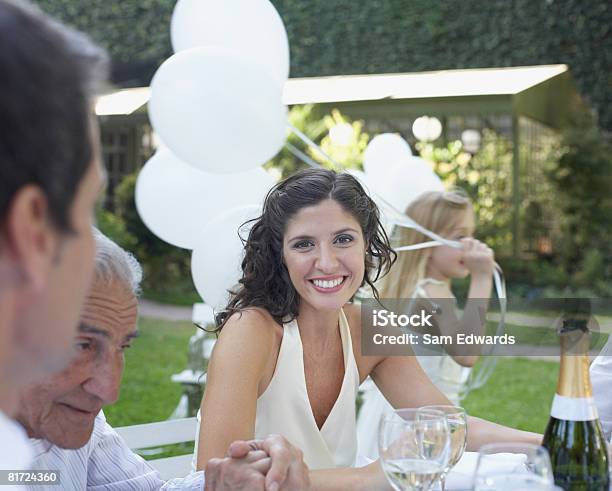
x=173, y=296
x=518, y=394
x=543, y=336
x=147, y=393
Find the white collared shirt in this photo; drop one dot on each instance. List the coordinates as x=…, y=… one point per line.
x=104, y=463
x=601, y=379
x=15, y=449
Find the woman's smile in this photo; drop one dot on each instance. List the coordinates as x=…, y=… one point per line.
x=324, y=252
x=329, y=284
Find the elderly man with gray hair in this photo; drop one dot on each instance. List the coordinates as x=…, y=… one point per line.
x=63, y=414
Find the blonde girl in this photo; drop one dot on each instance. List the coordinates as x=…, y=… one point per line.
x=425, y=275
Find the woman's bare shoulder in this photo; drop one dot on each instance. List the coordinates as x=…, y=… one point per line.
x=251, y=329
x=250, y=317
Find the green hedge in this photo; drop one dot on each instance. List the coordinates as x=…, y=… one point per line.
x=346, y=36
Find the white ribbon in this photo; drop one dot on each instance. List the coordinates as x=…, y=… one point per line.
x=414, y=247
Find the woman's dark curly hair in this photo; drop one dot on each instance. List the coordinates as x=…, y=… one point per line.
x=265, y=280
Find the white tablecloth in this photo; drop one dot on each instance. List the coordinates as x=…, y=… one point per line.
x=461, y=477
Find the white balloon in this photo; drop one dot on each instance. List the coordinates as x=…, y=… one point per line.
x=216, y=260
x=366, y=182
x=383, y=152
x=408, y=180
x=175, y=199
x=251, y=27
x=361, y=177
x=427, y=129
x=217, y=110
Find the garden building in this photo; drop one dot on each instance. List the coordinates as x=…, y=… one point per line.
x=507, y=118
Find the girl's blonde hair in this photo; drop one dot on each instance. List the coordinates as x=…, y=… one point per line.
x=438, y=211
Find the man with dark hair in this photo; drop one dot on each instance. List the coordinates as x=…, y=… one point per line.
x=50, y=178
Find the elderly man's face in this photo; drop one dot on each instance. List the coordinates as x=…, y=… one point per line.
x=63, y=407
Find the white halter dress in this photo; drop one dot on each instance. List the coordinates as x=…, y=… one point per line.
x=284, y=407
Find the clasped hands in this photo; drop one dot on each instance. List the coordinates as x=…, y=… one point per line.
x=272, y=464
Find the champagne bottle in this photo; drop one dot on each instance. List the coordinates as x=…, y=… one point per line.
x=574, y=437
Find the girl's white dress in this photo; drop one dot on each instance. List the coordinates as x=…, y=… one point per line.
x=445, y=373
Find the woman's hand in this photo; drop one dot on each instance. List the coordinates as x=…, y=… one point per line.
x=246, y=473
x=478, y=258
x=287, y=469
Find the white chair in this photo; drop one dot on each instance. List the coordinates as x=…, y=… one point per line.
x=163, y=433
x=203, y=314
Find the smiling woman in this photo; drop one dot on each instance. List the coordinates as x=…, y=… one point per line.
x=288, y=359
x=285, y=346
x=298, y=220
x=321, y=259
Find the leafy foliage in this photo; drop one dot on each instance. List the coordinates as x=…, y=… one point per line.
x=573, y=186
x=115, y=227
x=312, y=122
x=342, y=37
x=583, y=180
x=136, y=33
x=309, y=120
x=484, y=177
x=147, y=393
x=347, y=154
x=167, y=271
x=517, y=382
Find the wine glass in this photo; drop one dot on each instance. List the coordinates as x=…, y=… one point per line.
x=414, y=448
x=457, y=425
x=513, y=466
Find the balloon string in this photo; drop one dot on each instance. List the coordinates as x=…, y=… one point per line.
x=415, y=247
x=405, y=221
x=301, y=155
x=479, y=378
x=313, y=145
